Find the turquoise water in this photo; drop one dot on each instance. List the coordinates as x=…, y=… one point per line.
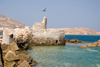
x=69, y=55
x=65, y=56
x=86, y=38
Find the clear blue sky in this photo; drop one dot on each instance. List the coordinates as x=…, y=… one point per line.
x=60, y=13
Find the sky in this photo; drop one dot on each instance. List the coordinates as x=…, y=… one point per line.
x=60, y=13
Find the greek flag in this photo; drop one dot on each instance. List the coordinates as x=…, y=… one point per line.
x=44, y=10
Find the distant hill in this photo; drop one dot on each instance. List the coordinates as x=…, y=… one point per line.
x=80, y=31
x=6, y=22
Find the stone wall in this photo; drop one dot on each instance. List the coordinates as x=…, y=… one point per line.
x=39, y=26
x=42, y=25
x=47, y=37
x=36, y=35
x=32, y=36
x=7, y=35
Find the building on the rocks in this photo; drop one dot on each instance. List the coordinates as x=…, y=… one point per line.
x=36, y=35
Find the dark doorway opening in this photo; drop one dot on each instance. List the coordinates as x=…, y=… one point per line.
x=56, y=41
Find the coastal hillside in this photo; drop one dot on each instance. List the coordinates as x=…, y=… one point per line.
x=6, y=22
x=80, y=31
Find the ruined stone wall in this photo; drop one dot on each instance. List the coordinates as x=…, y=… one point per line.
x=33, y=36
x=42, y=25
x=47, y=37
x=7, y=35
x=45, y=22
x=39, y=26
x=36, y=35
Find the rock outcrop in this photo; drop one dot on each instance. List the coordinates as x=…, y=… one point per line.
x=84, y=47
x=95, y=44
x=10, y=55
x=14, y=59
x=21, y=57
x=24, y=64
x=73, y=41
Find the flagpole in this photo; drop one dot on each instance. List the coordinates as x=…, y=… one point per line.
x=45, y=12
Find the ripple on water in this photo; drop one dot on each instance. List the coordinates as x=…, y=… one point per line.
x=65, y=56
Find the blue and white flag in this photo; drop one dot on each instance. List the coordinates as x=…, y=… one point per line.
x=44, y=10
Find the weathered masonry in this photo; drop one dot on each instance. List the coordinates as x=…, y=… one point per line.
x=36, y=35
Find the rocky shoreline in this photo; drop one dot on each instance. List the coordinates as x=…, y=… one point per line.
x=73, y=41
x=13, y=58
x=12, y=55
x=95, y=44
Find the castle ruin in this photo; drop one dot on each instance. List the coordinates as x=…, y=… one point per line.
x=36, y=35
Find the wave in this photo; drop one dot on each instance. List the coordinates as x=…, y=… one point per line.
x=92, y=50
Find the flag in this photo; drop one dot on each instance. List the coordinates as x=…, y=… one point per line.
x=44, y=10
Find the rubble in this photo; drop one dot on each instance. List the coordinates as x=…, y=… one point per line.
x=11, y=59
x=10, y=56
x=84, y=47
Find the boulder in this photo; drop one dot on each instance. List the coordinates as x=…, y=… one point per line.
x=14, y=47
x=4, y=46
x=83, y=42
x=33, y=63
x=98, y=45
x=5, y=51
x=7, y=47
x=74, y=41
x=95, y=44
x=84, y=47
x=9, y=63
x=67, y=40
x=98, y=40
x=20, y=61
x=24, y=64
x=21, y=56
x=91, y=45
x=10, y=56
x=30, y=60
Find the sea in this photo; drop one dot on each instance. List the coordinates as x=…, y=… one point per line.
x=69, y=55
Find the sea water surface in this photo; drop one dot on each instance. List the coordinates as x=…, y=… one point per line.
x=69, y=55
x=86, y=38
